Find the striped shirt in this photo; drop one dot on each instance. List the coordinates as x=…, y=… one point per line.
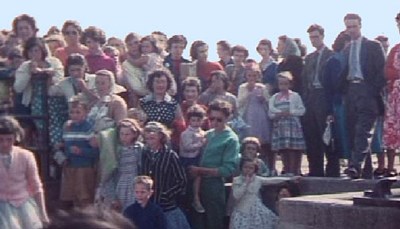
x=168, y=175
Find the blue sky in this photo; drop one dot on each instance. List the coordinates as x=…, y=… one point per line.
x=239, y=22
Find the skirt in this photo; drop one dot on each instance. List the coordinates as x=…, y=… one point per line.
x=25, y=216
x=287, y=133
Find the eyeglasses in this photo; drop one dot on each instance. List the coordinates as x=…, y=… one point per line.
x=71, y=33
x=216, y=119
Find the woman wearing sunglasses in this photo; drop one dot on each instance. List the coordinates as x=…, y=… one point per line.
x=72, y=32
x=219, y=161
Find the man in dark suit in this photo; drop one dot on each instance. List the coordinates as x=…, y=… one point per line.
x=176, y=45
x=363, y=81
x=315, y=118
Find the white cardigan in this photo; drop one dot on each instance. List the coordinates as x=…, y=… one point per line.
x=296, y=105
x=23, y=78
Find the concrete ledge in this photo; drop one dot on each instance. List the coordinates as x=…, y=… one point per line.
x=335, y=211
x=326, y=185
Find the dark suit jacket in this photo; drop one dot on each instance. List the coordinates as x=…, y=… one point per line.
x=169, y=63
x=372, y=61
x=293, y=64
x=309, y=70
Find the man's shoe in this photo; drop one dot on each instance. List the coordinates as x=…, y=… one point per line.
x=352, y=173
x=379, y=173
x=391, y=173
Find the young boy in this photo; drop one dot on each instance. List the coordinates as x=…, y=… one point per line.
x=145, y=214
x=191, y=144
x=78, y=183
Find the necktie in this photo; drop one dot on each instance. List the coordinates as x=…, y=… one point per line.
x=316, y=82
x=353, y=60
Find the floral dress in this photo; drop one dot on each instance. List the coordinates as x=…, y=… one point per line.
x=391, y=125
x=249, y=211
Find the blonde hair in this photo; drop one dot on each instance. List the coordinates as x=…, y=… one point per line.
x=145, y=180
x=286, y=75
x=156, y=127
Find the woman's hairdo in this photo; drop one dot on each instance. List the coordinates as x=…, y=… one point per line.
x=221, y=106
x=10, y=125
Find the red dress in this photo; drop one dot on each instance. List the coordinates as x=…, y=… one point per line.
x=391, y=124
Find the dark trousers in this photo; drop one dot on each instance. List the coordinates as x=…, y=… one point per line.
x=361, y=114
x=212, y=194
x=314, y=124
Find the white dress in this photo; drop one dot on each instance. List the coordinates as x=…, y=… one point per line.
x=249, y=212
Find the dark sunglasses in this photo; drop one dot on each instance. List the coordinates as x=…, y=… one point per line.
x=71, y=33
x=216, y=119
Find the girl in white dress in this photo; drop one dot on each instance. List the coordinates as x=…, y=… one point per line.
x=249, y=212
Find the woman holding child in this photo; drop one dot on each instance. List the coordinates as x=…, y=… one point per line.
x=219, y=161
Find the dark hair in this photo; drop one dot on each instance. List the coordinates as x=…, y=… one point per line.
x=76, y=59
x=222, y=106
x=283, y=38
x=397, y=16
x=158, y=33
x=195, y=111
x=292, y=187
x=73, y=23
x=158, y=74
x=95, y=34
x=352, y=16
x=316, y=27
x=180, y=39
x=340, y=41
x=302, y=47
x=24, y=17
x=9, y=125
x=32, y=42
x=194, y=47
x=192, y=81
x=240, y=48
x=265, y=42
x=90, y=218
x=152, y=41
x=382, y=38
x=221, y=74
x=225, y=45
x=254, y=161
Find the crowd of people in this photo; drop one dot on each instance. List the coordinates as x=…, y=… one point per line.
x=137, y=128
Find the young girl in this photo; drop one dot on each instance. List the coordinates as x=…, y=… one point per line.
x=249, y=211
x=250, y=150
x=191, y=147
x=253, y=108
x=22, y=203
x=285, y=108
x=129, y=157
